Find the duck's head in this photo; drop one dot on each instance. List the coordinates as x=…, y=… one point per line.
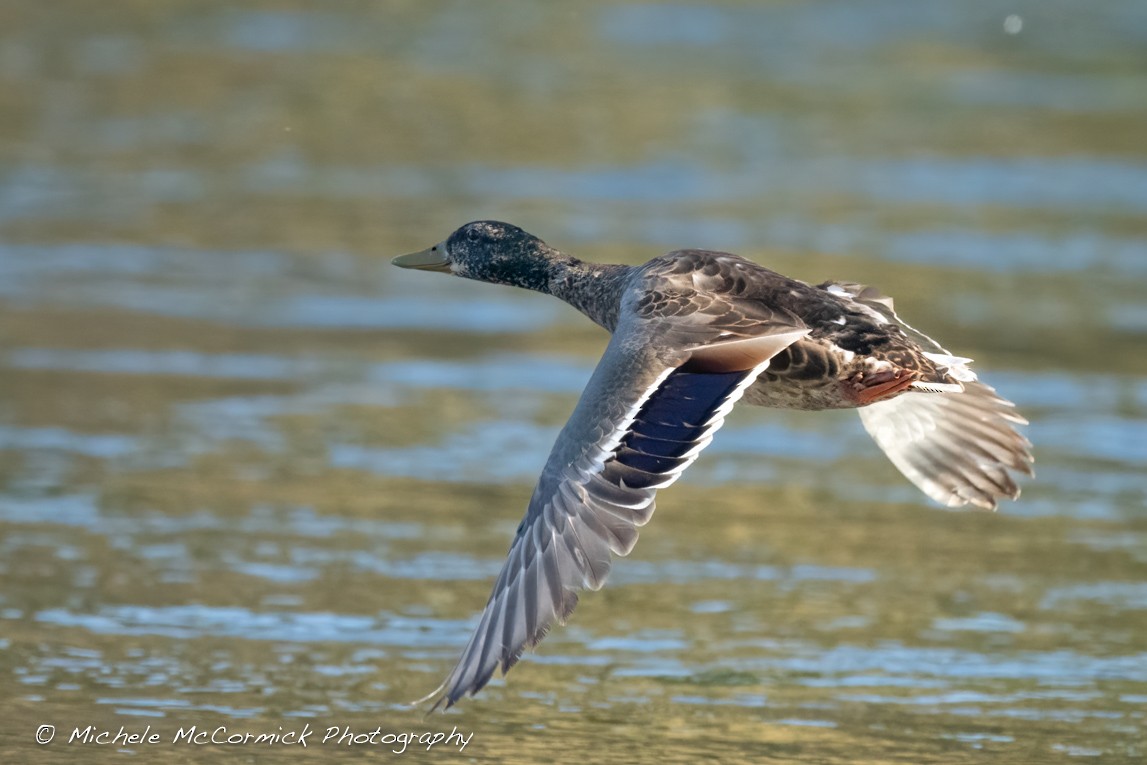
x=489, y=251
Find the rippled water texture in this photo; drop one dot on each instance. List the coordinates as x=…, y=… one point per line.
x=252, y=476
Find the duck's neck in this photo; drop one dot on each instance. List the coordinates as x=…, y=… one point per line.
x=593, y=288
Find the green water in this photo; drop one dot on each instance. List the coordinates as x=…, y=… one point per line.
x=251, y=476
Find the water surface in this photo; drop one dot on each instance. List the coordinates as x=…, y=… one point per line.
x=252, y=476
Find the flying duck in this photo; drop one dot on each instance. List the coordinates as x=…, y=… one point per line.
x=693, y=332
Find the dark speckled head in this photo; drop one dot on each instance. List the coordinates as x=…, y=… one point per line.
x=489, y=251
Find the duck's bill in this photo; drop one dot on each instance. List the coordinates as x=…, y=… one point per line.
x=430, y=259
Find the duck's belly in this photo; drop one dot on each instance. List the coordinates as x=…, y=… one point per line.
x=791, y=393
x=814, y=375
x=806, y=375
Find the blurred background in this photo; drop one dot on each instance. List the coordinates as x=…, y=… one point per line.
x=251, y=475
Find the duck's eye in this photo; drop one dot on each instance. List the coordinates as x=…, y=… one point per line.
x=473, y=235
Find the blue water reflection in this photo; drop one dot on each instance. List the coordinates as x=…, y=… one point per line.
x=248, y=469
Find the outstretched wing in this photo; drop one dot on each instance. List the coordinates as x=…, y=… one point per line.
x=643, y=418
x=957, y=447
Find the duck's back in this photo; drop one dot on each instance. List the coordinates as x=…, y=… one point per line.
x=853, y=355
